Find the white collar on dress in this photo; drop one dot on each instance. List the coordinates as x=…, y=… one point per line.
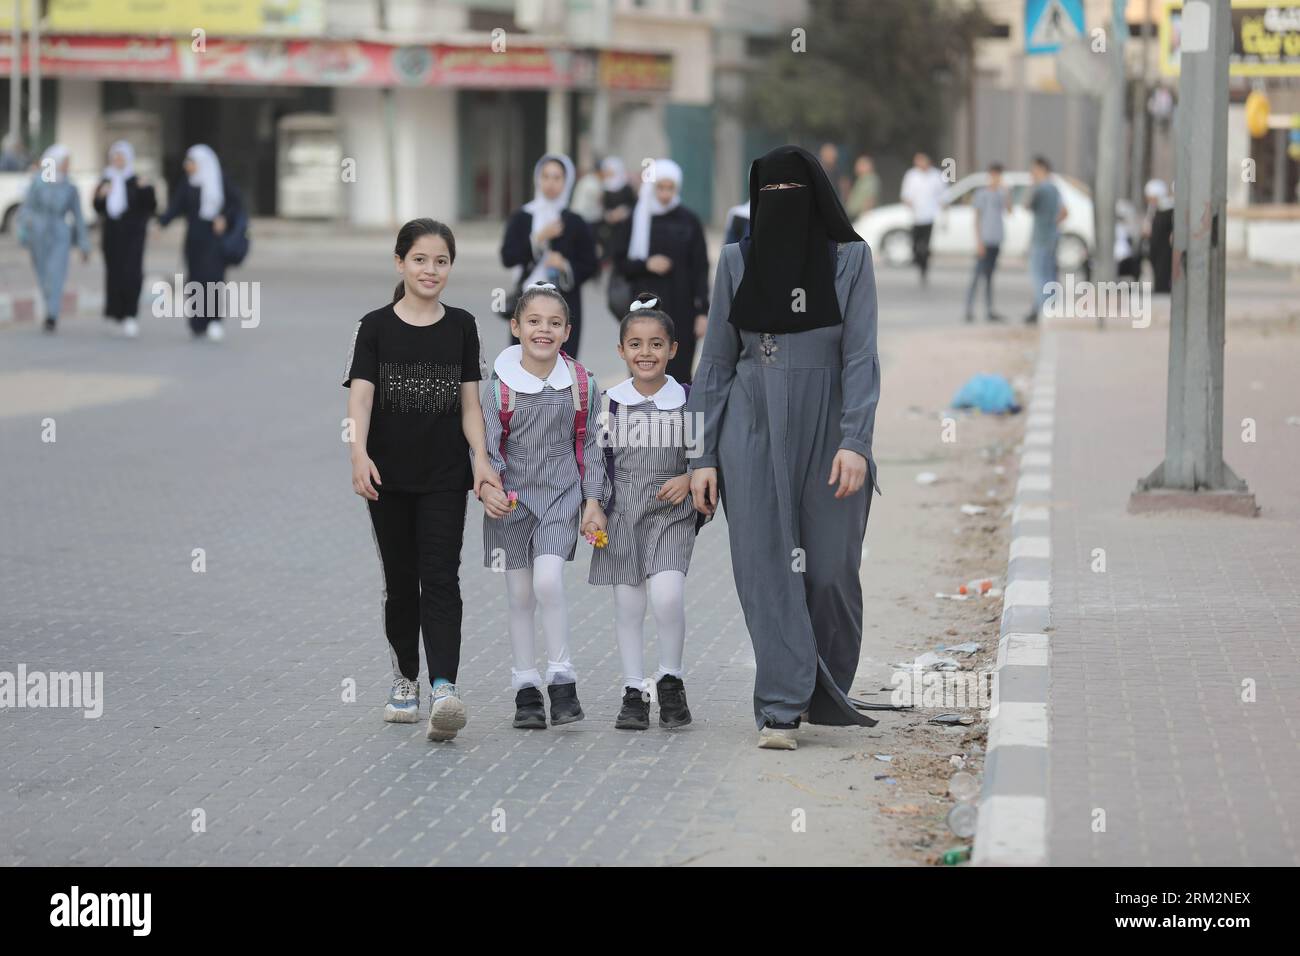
x=670, y=396
x=509, y=369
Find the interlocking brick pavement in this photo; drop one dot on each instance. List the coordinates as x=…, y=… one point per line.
x=1148, y=659
x=224, y=688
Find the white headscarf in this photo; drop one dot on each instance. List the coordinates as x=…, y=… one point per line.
x=546, y=211
x=613, y=174
x=648, y=205
x=115, y=203
x=58, y=153
x=207, y=176
x=1157, y=190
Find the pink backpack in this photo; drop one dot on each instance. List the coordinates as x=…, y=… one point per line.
x=505, y=398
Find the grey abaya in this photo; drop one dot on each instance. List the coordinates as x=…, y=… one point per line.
x=775, y=409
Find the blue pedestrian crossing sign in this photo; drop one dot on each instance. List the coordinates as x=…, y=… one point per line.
x=1049, y=23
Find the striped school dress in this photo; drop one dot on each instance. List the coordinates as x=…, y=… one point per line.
x=647, y=445
x=540, y=464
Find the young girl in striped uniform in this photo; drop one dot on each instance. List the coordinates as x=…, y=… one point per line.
x=538, y=440
x=652, y=521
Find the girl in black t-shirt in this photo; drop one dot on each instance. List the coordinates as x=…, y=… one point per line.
x=415, y=415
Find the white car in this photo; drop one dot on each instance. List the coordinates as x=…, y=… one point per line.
x=13, y=190
x=888, y=229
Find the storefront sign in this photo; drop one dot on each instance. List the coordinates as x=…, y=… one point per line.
x=182, y=17
x=1265, y=38
x=305, y=62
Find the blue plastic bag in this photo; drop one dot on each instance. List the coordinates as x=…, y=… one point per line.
x=989, y=393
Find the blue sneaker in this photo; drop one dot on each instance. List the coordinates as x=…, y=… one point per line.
x=446, y=712
x=403, y=705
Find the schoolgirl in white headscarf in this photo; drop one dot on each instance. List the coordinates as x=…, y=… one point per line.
x=207, y=177
x=648, y=205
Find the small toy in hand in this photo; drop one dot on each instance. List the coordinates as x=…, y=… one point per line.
x=597, y=539
x=513, y=498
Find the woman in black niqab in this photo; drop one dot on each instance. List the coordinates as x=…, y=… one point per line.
x=796, y=221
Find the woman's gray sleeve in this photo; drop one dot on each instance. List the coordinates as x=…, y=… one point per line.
x=861, y=363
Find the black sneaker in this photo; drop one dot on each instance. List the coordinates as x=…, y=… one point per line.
x=995, y=317
x=530, y=711
x=1031, y=318
x=565, y=708
x=635, y=713
x=50, y=324
x=673, y=711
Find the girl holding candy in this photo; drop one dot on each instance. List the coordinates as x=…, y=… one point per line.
x=540, y=442
x=652, y=521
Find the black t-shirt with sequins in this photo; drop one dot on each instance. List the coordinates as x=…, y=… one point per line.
x=416, y=439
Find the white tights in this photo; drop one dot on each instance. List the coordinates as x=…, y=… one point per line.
x=526, y=590
x=667, y=593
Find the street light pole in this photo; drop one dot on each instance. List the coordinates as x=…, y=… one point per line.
x=16, y=73
x=1194, y=474
x=33, y=78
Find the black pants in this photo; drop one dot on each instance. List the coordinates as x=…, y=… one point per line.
x=921, y=246
x=419, y=539
x=984, y=266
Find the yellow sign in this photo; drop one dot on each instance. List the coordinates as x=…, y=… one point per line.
x=1257, y=114
x=182, y=17
x=1265, y=38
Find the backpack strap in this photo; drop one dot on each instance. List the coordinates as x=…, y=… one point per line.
x=609, y=453
x=578, y=375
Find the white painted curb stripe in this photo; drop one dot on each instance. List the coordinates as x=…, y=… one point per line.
x=1010, y=831
x=1030, y=513
x=1036, y=459
x=1031, y=546
x=1022, y=650
x=1039, y=436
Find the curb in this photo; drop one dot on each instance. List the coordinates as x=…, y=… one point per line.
x=1012, y=827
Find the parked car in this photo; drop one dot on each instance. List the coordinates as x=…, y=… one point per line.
x=13, y=189
x=888, y=229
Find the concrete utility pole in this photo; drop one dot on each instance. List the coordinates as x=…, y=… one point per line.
x=1137, y=161
x=1110, y=153
x=1194, y=474
x=16, y=73
x=33, y=79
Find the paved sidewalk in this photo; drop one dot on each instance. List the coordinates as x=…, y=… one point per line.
x=1155, y=759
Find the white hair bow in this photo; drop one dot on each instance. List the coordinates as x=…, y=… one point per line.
x=647, y=304
x=541, y=285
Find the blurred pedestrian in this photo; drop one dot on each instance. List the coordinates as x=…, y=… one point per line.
x=989, y=202
x=829, y=154
x=1158, y=234
x=13, y=158
x=1128, y=232
x=43, y=228
x=737, y=223
x=125, y=204
x=588, y=193
x=663, y=252
x=211, y=205
x=866, y=188
x=922, y=193
x=1048, y=210
x=787, y=398
x=617, y=201
x=412, y=376
x=547, y=242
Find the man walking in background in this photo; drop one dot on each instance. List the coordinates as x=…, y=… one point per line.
x=866, y=188
x=923, y=186
x=989, y=203
x=1045, y=204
